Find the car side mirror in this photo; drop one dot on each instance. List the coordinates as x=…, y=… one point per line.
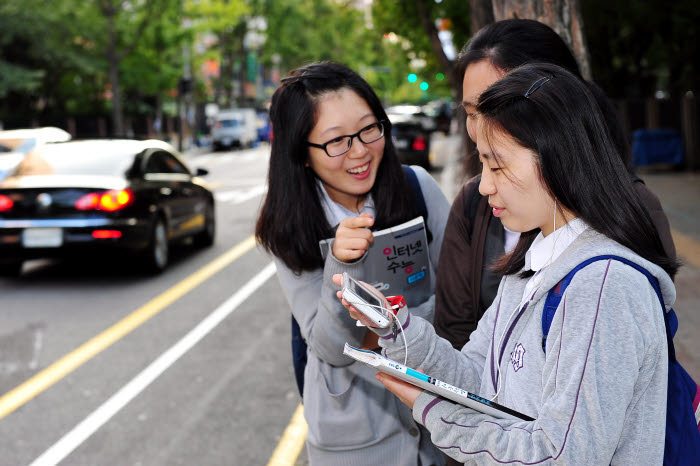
x=201, y=172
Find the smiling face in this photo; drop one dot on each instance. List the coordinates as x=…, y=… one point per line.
x=350, y=176
x=510, y=178
x=477, y=78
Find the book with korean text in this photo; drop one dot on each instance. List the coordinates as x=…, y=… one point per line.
x=424, y=381
x=397, y=262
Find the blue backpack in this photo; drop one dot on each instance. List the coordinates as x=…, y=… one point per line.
x=682, y=414
x=299, y=346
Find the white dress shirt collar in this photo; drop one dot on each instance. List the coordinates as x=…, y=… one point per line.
x=545, y=250
x=336, y=212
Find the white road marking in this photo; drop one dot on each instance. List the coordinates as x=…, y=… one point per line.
x=240, y=195
x=73, y=439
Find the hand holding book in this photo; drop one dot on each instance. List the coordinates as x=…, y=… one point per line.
x=404, y=391
x=397, y=259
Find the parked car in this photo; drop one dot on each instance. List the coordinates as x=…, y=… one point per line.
x=411, y=139
x=414, y=112
x=441, y=111
x=16, y=143
x=263, y=125
x=102, y=196
x=237, y=127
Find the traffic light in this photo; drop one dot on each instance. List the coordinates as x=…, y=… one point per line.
x=424, y=86
x=412, y=78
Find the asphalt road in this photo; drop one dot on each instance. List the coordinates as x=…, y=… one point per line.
x=224, y=400
x=102, y=365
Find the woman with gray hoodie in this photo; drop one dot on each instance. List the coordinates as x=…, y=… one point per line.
x=598, y=391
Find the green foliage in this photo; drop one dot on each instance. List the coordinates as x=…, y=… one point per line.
x=401, y=17
x=54, y=59
x=637, y=48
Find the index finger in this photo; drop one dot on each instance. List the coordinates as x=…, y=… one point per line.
x=363, y=221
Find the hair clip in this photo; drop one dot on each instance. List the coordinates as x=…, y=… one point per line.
x=537, y=84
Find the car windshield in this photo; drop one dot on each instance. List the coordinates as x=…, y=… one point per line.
x=230, y=123
x=75, y=159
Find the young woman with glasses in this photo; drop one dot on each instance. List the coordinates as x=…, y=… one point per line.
x=334, y=173
x=598, y=391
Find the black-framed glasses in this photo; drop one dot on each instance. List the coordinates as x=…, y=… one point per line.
x=341, y=144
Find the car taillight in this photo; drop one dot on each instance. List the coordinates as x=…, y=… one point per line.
x=116, y=200
x=5, y=203
x=88, y=202
x=104, y=234
x=109, y=201
x=419, y=143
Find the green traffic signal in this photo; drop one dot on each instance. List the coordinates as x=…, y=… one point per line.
x=412, y=78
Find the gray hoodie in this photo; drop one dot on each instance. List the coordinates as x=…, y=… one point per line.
x=352, y=418
x=599, y=393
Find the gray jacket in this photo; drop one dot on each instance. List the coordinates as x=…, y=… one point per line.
x=599, y=393
x=352, y=418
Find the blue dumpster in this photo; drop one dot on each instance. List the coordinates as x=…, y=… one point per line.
x=657, y=146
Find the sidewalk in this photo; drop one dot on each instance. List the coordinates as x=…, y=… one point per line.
x=679, y=194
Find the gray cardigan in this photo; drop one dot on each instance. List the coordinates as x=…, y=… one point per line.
x=598, y=394
x=352, y=418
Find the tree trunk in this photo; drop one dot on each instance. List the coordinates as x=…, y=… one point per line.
x=158, y=127
x=113, y=59
x=564, y=16
x=481, y=14
x=432, y=33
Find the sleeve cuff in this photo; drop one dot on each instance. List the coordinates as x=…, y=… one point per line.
x=423, y=405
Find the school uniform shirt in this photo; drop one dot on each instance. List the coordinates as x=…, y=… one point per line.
x=544, y=250
x=353, y=419
x=598, y=395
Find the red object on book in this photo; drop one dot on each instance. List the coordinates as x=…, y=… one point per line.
x=397, y=302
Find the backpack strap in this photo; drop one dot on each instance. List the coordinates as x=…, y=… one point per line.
x=412, y=180
x=555, y=294
x=421, y=208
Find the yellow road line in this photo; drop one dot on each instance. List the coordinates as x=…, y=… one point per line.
x=292, y=441
x=68, y=363
x=686, y=247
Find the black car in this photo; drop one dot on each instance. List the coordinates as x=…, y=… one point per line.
x=411, y=138
x=101, y=196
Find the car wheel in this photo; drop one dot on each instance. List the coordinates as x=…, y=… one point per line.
x=205, y=238
x=11, y=269
x=156, y=254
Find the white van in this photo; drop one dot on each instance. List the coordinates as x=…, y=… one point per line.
x=235, y=127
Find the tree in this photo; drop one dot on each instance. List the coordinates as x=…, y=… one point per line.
x=481, y=14
x=564, y=16
x=639, y=48
x=121, y=40
x=415, y=21
x=225, y=20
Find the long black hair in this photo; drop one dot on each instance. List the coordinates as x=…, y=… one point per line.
x=548, y=110
x=511, y=43
x=292, y=222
